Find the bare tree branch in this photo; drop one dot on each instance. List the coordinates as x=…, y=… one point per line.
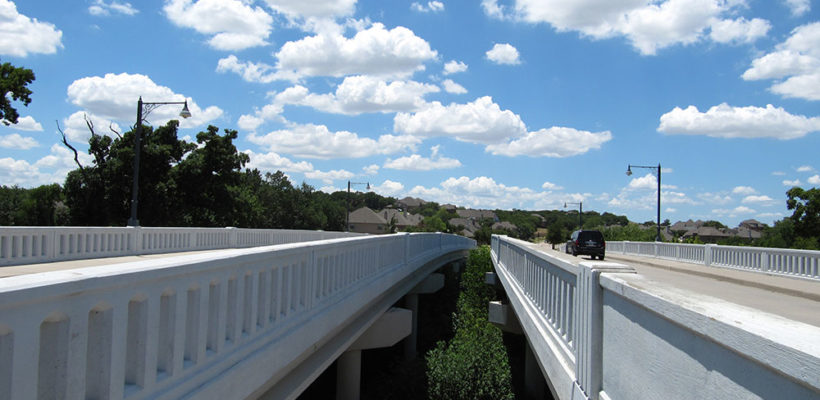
x=111, y=127
x=76, y=156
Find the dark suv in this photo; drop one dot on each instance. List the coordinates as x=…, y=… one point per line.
x=590, y=243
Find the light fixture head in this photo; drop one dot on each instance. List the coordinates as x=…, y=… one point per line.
x=368, y=185
x=629, y=171
x=185, y=113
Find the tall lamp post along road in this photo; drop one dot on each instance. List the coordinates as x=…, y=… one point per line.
x=658, y=174
x=143, y=109
x=347, y=216
x=580, y=212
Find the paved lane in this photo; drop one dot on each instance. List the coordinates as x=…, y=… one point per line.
x=792, y=298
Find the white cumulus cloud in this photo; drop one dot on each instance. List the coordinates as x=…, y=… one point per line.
x=361, y=94
x=271, y=162
x=102, y=9
x=231, y=24
x=739, y=30
x=794, y=65
x=553, y=142
x=454, y=67
x=480, y=121
x=452, y=87
x=114, y=97
x=814, y=180
x=21, y=35
x=649, y=25
x=395, y=53
x=301, y=9
x=317, y=141
x=328, y=177
x=744, y=190
x=416, y=162
x=16, y=141
x=431, y=6
x=761, y=199
x=503, y=53
x=795, y=182
x=388, y=188
x=738, y=122
x=798, y=7
x=28, y=123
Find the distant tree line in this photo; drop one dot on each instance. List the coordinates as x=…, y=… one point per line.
x=202, y=184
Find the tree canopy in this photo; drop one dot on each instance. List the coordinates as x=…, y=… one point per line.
x=14, y=83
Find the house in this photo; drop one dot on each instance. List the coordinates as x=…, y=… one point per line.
x=365, y=220
x=468, y=226
x=404, y=219
x=409, y=203
x=477, y=215
x=504, y=226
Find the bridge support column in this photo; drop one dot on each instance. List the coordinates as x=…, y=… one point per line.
x=392, y=326
x=534, y=381
x=431, y=284
x=349, y=375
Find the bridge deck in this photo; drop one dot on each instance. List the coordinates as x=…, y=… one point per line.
x=16, y=270
x=792, y=298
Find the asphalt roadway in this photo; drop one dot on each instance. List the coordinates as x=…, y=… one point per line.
x=793, y=298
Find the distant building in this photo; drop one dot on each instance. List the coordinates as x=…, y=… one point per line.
x=404, y=219
x=505, y=226
x=468, y=226
x=409, y=203
x=477, y=215
x=364, y=220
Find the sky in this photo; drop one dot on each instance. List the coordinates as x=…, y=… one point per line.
x=510, y=104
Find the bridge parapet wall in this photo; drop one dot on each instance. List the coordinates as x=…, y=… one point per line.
x=170, y=328
x=790, y=262
x=28, y=245
x=635, y=339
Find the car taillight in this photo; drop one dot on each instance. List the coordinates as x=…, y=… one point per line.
x=576, y=242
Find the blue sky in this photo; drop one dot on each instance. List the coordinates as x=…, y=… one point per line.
x=522, y=104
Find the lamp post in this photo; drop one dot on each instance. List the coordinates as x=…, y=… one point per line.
x=580, y=212
x=347, y=217
x=658, y=170
x=143, y=109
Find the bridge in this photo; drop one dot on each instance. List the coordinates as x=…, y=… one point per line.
x=665, y=321
x=167, y=313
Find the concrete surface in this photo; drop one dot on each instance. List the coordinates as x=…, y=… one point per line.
x=792, y=298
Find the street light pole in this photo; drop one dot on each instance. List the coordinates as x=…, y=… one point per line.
x=133, y=221
x=658, y=170
x=580, y=212
x=347, y=216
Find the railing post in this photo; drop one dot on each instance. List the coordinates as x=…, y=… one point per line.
x=764, y=260
x=707, y=254
x=233, y=240
x=625, y=243
x=589, y=326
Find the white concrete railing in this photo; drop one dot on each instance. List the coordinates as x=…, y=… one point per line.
x=791, y=262
x=636, y=339
x=28, y=245
x=207, y=326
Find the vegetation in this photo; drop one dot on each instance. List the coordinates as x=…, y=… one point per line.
x=474, y=363
x=14, y=83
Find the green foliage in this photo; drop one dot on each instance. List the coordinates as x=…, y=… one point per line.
x=474, y=364
x=556, y=234
x=806, y=206
x=14, y=83
x=715, y=224
x=632, y=232
x=40, y=206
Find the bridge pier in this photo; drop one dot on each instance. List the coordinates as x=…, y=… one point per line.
x=431, y=284
x=503, y=316
x=392, y=326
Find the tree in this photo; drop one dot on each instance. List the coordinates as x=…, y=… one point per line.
x=556, y=234
x=13, y=86
x=806, y=206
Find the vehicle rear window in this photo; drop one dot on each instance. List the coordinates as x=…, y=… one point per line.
x=591, y=235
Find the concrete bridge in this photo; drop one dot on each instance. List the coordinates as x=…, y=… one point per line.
x=106, y=313
x=665, y=321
